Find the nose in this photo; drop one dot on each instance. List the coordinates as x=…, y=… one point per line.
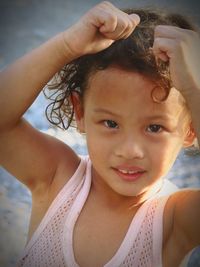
x=130, y=148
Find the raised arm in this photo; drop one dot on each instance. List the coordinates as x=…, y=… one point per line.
x=31, y=156
x=181, y=48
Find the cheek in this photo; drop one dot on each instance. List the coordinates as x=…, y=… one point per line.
x=98, y=145
x=166, y=155
x=95, y=143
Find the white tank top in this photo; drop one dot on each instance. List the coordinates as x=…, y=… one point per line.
x=52, y=242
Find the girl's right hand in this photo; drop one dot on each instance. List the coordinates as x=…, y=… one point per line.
x=98, y=29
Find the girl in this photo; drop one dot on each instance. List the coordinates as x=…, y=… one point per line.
x=112, y=208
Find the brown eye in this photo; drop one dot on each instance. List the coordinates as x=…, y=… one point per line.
x=154, y=128
x=111, y=124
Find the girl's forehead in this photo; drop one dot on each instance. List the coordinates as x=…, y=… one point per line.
x=119, y=81
x=117, y=88
x=114, y=80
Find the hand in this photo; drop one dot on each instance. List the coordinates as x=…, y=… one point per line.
x=182, y=48
x=98, y=29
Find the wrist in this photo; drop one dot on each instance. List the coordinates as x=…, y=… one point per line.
x=70, y=38
x=62, y=49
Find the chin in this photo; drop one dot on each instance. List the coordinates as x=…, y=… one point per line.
x=128, y=192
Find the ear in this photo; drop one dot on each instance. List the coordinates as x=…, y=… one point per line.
x=190, y=136
x=78, y=111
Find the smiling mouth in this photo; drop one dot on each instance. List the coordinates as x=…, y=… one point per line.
x=129, y=174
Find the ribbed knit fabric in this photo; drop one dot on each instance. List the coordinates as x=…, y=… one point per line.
x=52, y=242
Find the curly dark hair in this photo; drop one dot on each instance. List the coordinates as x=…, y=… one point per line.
x=133, y=53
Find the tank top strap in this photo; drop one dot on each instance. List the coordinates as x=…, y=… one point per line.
x=158, y=231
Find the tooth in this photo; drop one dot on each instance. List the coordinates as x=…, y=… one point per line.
x=128, y=172
x=123, y=171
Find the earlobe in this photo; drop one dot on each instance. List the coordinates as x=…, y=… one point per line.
x=78, y=111
x=190, y=137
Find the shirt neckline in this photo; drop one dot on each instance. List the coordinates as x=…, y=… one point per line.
x=74, y=213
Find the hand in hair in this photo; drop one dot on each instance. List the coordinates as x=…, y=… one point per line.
x=98, y=29
x=181, y=48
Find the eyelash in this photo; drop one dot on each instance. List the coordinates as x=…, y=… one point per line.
x=113, y=124
x=157, y=130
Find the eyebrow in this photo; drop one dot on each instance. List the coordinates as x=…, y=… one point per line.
x=109, y=112
x=157, y=117
x=150, y=117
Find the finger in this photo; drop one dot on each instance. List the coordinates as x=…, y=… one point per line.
x=108, y=22
x=119, y=30
x=124, y=27
x=165, y=48
x=172, y=32
x=134, y=19
x=163, y=56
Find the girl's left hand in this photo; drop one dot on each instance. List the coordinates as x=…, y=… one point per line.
x=182, y=48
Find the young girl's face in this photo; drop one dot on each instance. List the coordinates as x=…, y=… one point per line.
x=132, y=141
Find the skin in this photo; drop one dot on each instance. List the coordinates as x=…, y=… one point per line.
x=119, y=129
x=130, y=137
x=45, y=164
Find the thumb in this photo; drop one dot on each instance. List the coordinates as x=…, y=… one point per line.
x=135, y=19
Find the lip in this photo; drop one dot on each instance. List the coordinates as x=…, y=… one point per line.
x=128, y=173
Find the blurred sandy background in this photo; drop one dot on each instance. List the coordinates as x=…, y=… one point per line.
x=24, y=24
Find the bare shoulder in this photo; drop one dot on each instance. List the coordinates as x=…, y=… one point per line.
x=41, y=162
x=181, y=225
x=35, y=158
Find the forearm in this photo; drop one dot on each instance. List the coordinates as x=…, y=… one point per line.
x=21, y=82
